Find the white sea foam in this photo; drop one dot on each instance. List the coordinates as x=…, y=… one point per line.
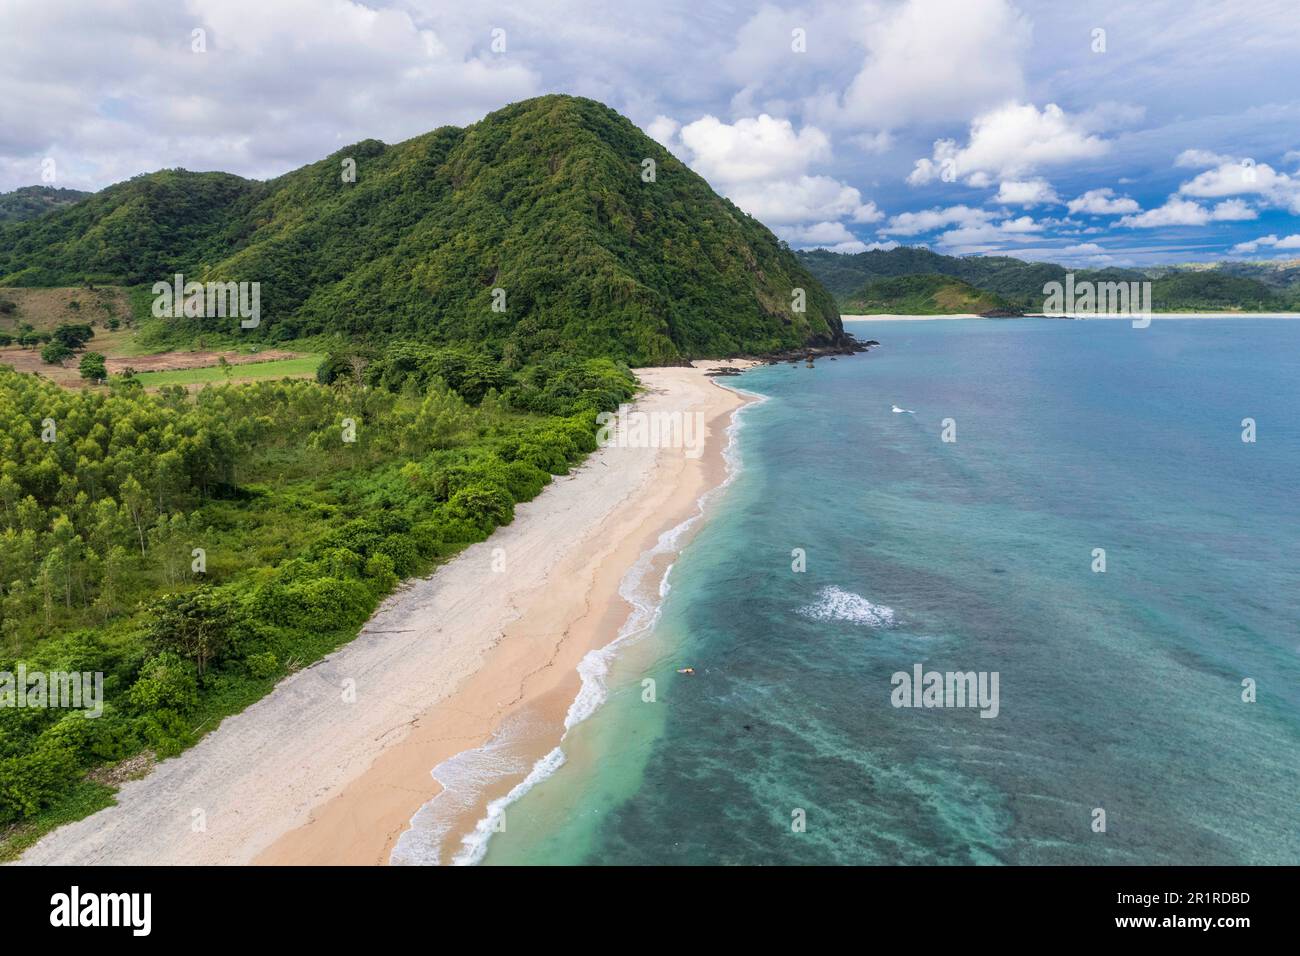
x=418, y=845
x=463, y=778
x=475, y=843
x=836, y=604
x=594, y=667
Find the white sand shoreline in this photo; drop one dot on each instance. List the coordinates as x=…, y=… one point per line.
x=883, y=317
x=303, y=776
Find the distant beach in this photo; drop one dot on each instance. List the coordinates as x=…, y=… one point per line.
x=1154, y=315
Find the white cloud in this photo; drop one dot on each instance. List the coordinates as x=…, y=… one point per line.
x=1245, y=177
x=935, y=61
x=1102, y=202
x=820, y=235
x=1253, y=245
x=761, y=163
x=801, y=199
x=1009, y=142
x=753, y=149
x=1233, y=210
x=874, y=144
x=978, y=237
x=663, y=129
x=927, y=220
x=1200, y=158
x=1184, y=212
x=1030, y=192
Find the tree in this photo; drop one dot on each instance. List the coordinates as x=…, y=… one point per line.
x=55, y=353
x=73, y=336
x=194, y=624
x=136, y=502
x=92, y=367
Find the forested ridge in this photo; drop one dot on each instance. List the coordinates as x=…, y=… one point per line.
x=29, y=202
x=1250, y=287
x=546, y=200
x=921, y=295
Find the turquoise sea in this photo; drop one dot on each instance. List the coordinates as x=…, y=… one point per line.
x=1119, y=691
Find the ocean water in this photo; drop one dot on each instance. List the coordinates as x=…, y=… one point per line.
x=1118, y=691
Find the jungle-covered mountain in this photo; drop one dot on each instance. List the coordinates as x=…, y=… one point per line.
x=551, y=200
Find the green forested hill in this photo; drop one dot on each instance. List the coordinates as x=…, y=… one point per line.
x=28, y=202
x=1018, y=282
x=544, y=199
x=921, y=295
x=1243, y=286
x=1212, y=289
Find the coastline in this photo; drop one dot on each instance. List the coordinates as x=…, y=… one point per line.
x=465, y=661
x=884, y=317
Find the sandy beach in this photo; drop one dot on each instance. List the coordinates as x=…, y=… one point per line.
x=1125, y=318
x=882, y=317
x=331, y=766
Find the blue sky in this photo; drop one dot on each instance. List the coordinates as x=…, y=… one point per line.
x=1090, y=133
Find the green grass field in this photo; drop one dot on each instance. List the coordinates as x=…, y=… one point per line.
x=297, y=367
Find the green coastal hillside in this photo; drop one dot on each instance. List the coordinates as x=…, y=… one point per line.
x=597, y=252
x=29, y=202
x=921, y=295
x=1248, y=287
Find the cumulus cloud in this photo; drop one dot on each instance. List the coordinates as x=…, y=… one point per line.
x=1253, y=245
x=1083, y=248
x=663, y=129
x=980, y=237
x=1007, y=143
x=1030, y=192
x=1184, y=212
x=1200, y=158
x=802, y=199
x=1238, y=177
x=821, y=235
x=752, y=150
x=928, y=220
x=762, y=164
x=1102, y=202
x=936, y=61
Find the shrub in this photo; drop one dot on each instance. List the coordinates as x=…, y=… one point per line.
x=483, y=506
x=166, y=682
x=379, y=569
x=55, y=353
x=262, y=665
x=32, y=781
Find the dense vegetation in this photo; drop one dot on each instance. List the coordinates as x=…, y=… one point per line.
x=1246, y=286
x=29, y=202
x=921, y=295
x=107, y=494
x=1211, y=289
x=544, y=199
